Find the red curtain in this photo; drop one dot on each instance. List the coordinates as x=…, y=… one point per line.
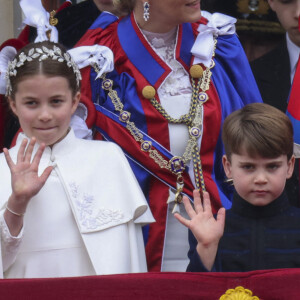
x=267, y=285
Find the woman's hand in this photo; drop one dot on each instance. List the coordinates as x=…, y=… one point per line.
x=206, y=229
x=24, y=173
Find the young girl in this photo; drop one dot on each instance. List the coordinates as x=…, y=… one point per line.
x=70, y=207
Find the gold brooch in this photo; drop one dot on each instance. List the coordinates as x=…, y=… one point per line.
x=256, y=7
x=239, y=293
x=53, y=21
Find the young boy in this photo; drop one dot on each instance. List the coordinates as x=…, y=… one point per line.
x=262, y=231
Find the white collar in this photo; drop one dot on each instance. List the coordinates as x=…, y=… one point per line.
x=294, y=52
x=63, y=147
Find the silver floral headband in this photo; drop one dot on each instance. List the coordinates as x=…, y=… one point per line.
x=42, y=53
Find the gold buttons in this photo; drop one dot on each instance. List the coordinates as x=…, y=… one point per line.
x=148, y=92
x=196, y=71
x=53, y=21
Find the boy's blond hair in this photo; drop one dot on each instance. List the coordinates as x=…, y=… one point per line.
x=260, y=130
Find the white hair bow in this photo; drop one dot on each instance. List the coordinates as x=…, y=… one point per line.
x=218, y=24
x=99, y=57
x=6, y=55
x=38, y=17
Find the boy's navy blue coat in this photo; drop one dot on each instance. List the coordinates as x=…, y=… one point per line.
x=255, y=238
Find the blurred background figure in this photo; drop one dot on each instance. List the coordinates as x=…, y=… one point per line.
x=268, y=31
x=274, y=72
x=103, y=5
x=75, y=20
x=72, y=21
x=257, y=25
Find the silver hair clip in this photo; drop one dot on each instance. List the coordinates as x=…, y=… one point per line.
x=41, y=54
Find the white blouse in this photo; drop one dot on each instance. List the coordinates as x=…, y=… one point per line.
x=175, y=97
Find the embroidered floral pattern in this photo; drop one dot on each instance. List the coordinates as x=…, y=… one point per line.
x=92, y=217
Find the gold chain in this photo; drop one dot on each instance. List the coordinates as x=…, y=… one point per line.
x=124, y=116
x=185, y=119
x=193, y=119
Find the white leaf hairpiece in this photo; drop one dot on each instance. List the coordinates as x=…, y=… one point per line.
x=40, y=54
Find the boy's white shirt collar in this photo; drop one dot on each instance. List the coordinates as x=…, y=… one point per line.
x=294, y=52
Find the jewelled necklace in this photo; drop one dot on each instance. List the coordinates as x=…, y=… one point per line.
x=193, y=119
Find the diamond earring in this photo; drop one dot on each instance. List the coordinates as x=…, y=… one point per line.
x=146, y=14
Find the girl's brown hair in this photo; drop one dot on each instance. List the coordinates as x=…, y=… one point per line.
x=48, y=67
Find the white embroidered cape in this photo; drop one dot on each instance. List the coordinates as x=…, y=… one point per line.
x=105, y=201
